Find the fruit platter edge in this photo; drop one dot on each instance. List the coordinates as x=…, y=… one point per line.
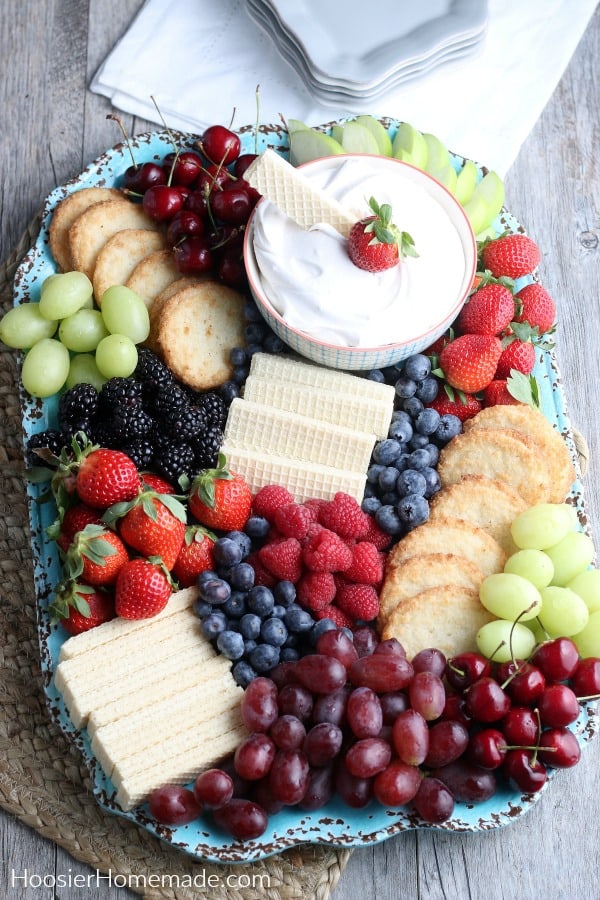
x=335, y=824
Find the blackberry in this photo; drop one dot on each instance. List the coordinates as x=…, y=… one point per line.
x=140, y=450
x=172, y=459
x=167, y=398
x=77, y=427
x=151, y=371
x=206, y=446
x=104, y=435
x=213, y=407
x=128, y=422
x=184, y=422
x=47, y=440
x=119, y=392
x=77, y=404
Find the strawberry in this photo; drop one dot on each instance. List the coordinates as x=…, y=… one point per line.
x=220, y=499
x=519, y=355
x=269, y=498
x=469, y=362
x=105, y=477
x=536, y=307
x=359, y=601
x=292, y=520
x=512, y=256
x=488, y=311
x=459, y=404
x=86, y=608
x=153, y=524
x=95, y=555
x=498, y=394
x=366, y=566
x=195, y=555
x=316, y=590
x=142, y=589
x=375, y=243
x=283, y=559
x=75, y=519
x=325, y=551
x=344, y=516
x=156, y=483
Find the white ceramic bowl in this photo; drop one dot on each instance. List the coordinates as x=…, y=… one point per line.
x=365, y=358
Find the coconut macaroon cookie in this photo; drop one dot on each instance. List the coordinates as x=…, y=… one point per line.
x=119, y=256
x=65, y=214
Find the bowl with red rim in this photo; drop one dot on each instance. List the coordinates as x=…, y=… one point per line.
x=332, y=312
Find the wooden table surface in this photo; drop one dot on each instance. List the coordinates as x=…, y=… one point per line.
x=52, y=126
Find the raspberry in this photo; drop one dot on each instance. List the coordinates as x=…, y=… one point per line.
x=283, y=560
x=262, y=575
x=314, y=507
x=376, y=535
x=359, y=601
x=366, y=566
x=293, y=520
x=316, y=590
x=336, y=615
x=269, y=498
x=325, y=551
x=344, y=516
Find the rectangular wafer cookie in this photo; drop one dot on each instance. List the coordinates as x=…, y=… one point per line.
x=275, y=367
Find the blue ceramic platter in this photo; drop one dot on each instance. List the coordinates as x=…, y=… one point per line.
x=335, y=823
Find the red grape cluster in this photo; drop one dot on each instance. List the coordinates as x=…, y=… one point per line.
x=356, y=718
x=204, y=201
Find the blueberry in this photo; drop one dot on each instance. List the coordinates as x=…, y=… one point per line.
x=260, y=600
x=402, y=462
x=432, y=479
x=273, y=343
x=411, y=482
x=413, y=510
x=239, y=374
x=273, y=631
x=376, y=375
x=434, y=453
x=292, y=640
x=427, y=421
x=257, y=527
x=320, y=628
x=373, y=472
x=391, y=373
x=418, y=459
x=228, y=391
x=389, y=498
x=235, y=605
x=255, y=332
x=215, y=591
x=241, y=576
x=405, y=387
x=418, y=441
x=289, y=654
x=207, y=575
x=279, y=611
x=370, y=505
x=202, y=608
x=298, y=619
x=386, y=451
x=242, y=540
x=413, y=406
x=227, y=552
x=264, y=657
x=250, y=626
x=401, y=429
x=243, y=673
x=252, y=312
x=238, y=357
x=449, y=426
x=387, y=478
x=417, y=367
x=231, y=644
x=427, y=390
x=213, y=625
x=388, y=520
x=284, y=593
x=255, y=347
x=249, y=645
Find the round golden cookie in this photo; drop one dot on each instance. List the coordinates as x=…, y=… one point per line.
x=552, y=446
x=446, y=617
x=486, y=502
x=446, y=534
x=421, y=573
x=119, y=256
x=196, y=330
x=65, y=214
x=499, y=453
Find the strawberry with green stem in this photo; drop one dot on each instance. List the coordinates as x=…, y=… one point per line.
x=95, y=555
x=375, y=243
x=220, y=499
x=143, y=588
x=151, y=523
x=80, y=607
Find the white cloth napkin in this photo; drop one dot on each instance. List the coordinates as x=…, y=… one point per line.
x=202, y=59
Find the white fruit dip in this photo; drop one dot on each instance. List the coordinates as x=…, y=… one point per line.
x=309, y=279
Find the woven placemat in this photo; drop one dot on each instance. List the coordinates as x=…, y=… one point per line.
x=42, y=778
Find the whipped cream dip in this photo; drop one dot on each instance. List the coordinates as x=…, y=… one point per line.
x=310, y=281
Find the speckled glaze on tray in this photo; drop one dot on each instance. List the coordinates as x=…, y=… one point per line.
x=334, y=823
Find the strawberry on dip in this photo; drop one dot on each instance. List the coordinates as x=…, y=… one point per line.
x=375, y=243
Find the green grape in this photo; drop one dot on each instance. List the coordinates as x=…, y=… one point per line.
x=534, y=565
x=587, y=640
x=570, y=556
x=83, y=331
x=587, y=585
x=83, y=368
x=563, y=612
x=64, y=293
x=124, y=312
x=116, y=356
x=510, y=596
x=45, y=368
x=502, y=640
x=23, y=326
x=543, y=525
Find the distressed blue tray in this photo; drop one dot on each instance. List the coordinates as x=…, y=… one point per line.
x=335, y=823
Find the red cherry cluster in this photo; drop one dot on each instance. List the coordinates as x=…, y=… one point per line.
x=204, y=201
x=356, y=718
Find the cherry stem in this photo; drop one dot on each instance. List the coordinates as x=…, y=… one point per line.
x=125, y=135
x=499, y=647
x=165, y=126
x=257, y=126
x=230, y=126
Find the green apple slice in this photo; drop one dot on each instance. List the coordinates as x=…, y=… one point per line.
x=296, y=125
x=357, y=139
x=466, y=181
x=306, y=145
x=337, y=133
x=379, y=132
x=446, y=176
x=485, y=202
x=409, y=145
x=438, y=157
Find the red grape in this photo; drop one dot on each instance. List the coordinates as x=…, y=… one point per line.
x=213, y=788
x=397, y=784
x=433, y=801
x=254, y=756
x=322, y=743
x=321, y=674
x=364, y=713
x=410, y=737
x=427, y=695
x=173, y=804
x=367, y=757
x=243, y=819
x=288, y=778
x=259, y=704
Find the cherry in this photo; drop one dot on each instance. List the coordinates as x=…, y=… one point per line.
x=522, y=681
x=230, y=267
x=184, y=223
x=197, y=202
x=232, y=204
x=161, y=202
x=242, y=163
x=183, y=168
x=485, y=700
x=558, y=706
x=140, y=178
x=559, y=748
x=524, y=771
x=488, y=748
x=454, y=709
x=520, y=726
x=585, y=681
x=211, y=178
x=464, y=669
x=193, y=256
x=557, y=659
x=220, y=145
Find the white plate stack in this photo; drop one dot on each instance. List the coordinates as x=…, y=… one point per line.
x=347, y=50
